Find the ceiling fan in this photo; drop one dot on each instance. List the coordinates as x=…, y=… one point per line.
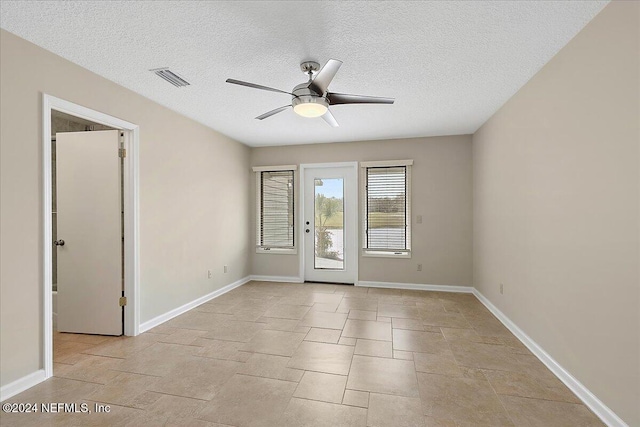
x=312, y=99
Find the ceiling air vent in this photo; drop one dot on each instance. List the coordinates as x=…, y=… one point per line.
x=170, y=76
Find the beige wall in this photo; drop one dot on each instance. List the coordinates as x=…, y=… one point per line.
x=194, y=208
x=556, y=208
x=441, y=193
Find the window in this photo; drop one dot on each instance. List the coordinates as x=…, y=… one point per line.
x=275, y=209
x=387, y=208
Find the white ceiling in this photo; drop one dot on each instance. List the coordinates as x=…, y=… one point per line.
x=450, y=65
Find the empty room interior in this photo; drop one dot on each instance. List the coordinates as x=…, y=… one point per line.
x=265, y=213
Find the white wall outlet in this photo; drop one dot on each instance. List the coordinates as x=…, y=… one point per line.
x=419, y=219
x=209, y=275
x=419, y=267
x=501, y=288
x=226, y=269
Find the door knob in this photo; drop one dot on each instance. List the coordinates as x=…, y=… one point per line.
x=59, y=242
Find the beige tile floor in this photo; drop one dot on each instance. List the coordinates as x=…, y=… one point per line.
x=276, y=354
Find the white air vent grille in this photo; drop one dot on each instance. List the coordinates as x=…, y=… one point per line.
x=171, y=77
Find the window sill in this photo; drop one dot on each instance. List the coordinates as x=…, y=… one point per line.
x=277, y=251
x=385, y=254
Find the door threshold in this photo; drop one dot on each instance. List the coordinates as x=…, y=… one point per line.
x=328, y=283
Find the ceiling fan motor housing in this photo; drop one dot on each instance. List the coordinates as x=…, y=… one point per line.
x=308, y=103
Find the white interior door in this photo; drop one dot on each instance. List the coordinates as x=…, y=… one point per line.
x=329, y=222
x=89, y=223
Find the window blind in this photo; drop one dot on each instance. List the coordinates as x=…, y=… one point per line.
x=276, y=226
x=386, y=209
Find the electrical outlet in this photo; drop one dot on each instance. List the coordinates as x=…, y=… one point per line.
x=226, y=269
x=419, y=219
x=501, y=288
x=419, y=267
x=209, y=275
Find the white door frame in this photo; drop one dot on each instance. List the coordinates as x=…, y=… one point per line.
x=354, y=241
x=131, y=217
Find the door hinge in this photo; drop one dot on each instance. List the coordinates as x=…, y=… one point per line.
x=123, y=301
x=122, y=152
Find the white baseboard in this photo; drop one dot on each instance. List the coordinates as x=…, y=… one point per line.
x=149, y=324
x=588, y=398
x=21, y=384
x=416, y=286
x=287, y=279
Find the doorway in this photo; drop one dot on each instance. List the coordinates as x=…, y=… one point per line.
x=330, y=222
x=76, y=195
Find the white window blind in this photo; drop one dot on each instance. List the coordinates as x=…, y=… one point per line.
x=276, y=209
x=387, y=210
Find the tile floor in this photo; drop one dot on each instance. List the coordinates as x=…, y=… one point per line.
x=277, y=354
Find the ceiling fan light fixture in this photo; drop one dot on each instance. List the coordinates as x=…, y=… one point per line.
x=312, y=98
x=310, y=106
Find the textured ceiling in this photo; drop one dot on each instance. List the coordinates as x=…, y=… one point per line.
x=450, y=65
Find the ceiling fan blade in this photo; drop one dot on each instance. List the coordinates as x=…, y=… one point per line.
x=272, y=112
x=321, y=81
x=328, y=117
x=343, y=98
x=255, y=86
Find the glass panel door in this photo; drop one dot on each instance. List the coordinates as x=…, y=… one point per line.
x=329, y=223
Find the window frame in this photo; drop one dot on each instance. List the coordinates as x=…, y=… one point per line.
x=400, y=253
x=258, y=170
